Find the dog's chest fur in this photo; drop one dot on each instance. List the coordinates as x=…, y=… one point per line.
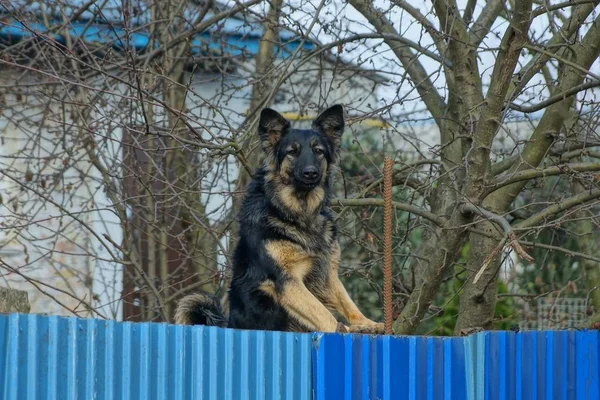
x=306, y=248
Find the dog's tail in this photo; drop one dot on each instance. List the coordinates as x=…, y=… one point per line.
x=200, y=309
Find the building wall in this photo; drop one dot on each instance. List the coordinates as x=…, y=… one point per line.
x=54, y=213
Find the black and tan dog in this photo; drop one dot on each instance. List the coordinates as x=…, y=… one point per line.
x=285, y=266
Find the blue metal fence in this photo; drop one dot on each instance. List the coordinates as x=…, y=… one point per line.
x=384, y=367
x=541, y=365
x=69, y=358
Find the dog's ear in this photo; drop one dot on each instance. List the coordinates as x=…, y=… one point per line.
x=331, y=123
x=271, y=128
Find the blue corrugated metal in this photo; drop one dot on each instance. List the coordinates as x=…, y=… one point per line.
x=386, y=367
x=541, y=365
x=474, y=347
x=70, y=358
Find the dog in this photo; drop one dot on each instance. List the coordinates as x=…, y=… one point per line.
x=285, y=264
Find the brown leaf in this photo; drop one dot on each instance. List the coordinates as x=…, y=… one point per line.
x=469, y=331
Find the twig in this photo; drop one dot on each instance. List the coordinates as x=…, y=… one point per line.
x=556, y=208
x=143, y=274
x=439, y=221
x=555, y=99
x=509, y=236
x=38, y=283
x=526, y=243
x=508, y=179
x=489, y=259
x=396, y=175
x=561, y=249
x=565, y=61
x=411, y=63
x=549, y=8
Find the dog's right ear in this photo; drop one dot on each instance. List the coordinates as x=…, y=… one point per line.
x=271, y=128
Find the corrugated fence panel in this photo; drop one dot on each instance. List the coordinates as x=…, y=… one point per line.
x=70, y=358
x=383, y=367
x=541, y=365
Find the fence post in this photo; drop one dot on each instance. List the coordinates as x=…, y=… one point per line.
x=387, y=244
x=14, y=301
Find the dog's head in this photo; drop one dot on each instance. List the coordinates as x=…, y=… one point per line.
x=303, y=158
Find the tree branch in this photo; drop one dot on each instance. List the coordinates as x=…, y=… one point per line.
x=556, y=208
x=560, y=151
x=392, y=37
x=524, y=175
x=509, y=233
x=543, y=137
x=439, y=221
x=579, y=153
x=487, y=127
x=436, y=35
x=434, y=102
x=556, y=98
x=541, y=10
x=561, y=249
x=486, y=19
x=469, y=10
x=565, y=33
x=562, y=60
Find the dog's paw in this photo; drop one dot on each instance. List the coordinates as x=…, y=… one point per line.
x=341, y=328
x=375, y=328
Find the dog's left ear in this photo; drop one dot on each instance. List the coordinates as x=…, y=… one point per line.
x=331, y=123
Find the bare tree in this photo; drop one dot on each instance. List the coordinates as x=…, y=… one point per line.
x=470, y=187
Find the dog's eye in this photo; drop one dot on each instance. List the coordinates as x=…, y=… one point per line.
x=291, y=151
x=318, y=150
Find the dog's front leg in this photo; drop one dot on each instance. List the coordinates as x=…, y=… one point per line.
x=302, y=305
x=339, y=299
x=345, y=306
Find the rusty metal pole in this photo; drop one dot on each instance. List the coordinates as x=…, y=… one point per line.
x=387, y=244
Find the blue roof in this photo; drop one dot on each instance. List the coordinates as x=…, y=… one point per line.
x=105, y=26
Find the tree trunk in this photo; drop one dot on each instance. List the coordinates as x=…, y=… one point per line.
x=437, y=254
x=590, y=268
x=478, y=300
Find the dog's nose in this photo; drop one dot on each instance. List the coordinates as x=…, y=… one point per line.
x=310, y=172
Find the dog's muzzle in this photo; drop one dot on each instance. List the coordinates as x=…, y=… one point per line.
x=309, y=178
